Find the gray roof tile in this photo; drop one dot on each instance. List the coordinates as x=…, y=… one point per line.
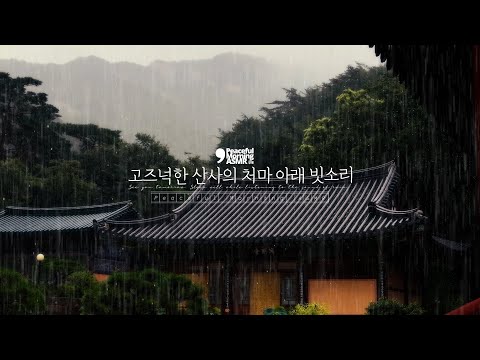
x=22, y=219
x=353, y=209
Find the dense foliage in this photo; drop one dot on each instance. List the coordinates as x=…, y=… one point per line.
x=299, y=309
x=55, y=271
x=77, y=284
x=19, y=296
x=309, y=309
x=25, y=118
x=393, y=307
x=45, y=163
x=279, y=310
x=147, y=292
x=362, y=118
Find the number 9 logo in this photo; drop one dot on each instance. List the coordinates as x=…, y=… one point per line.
x=220, y=153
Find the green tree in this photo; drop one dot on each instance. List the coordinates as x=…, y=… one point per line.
x=103, y=165
x=78, y=284
x=361, y=118
x=63, y=184
x=18, y=296
x=318, y=139
x=147, y=292
x=16, y=183
x=277, y=134
x=25, y=118
x=145, y=153
x=54, y=272
x=349, y=136
x=47, y=163
x=90, y=135
x=392, y=307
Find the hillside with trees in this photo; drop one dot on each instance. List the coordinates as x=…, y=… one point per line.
x=46, y=163
x=362, y=117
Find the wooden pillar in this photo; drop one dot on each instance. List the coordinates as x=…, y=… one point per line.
x=381, y=270
x=408, y=273
x=406, y=287
x=227, y=283
x=301, y=279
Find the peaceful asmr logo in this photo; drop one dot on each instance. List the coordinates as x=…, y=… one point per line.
x=235, y=156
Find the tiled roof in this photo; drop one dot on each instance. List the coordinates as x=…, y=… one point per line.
x=353, y=208
x=22, y=219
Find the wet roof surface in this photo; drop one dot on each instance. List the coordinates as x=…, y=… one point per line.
x=21, y=219
x=336, y=209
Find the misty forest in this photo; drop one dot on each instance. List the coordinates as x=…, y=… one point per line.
x=363, y=117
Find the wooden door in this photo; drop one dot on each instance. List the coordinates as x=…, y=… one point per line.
x=343, y=296
x=264, y=292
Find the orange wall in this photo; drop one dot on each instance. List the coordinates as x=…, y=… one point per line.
x=264, y=292
x=101, y=277
x=343, y=296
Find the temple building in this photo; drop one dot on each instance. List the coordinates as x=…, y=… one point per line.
x=65, y=232
x=341, y=243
